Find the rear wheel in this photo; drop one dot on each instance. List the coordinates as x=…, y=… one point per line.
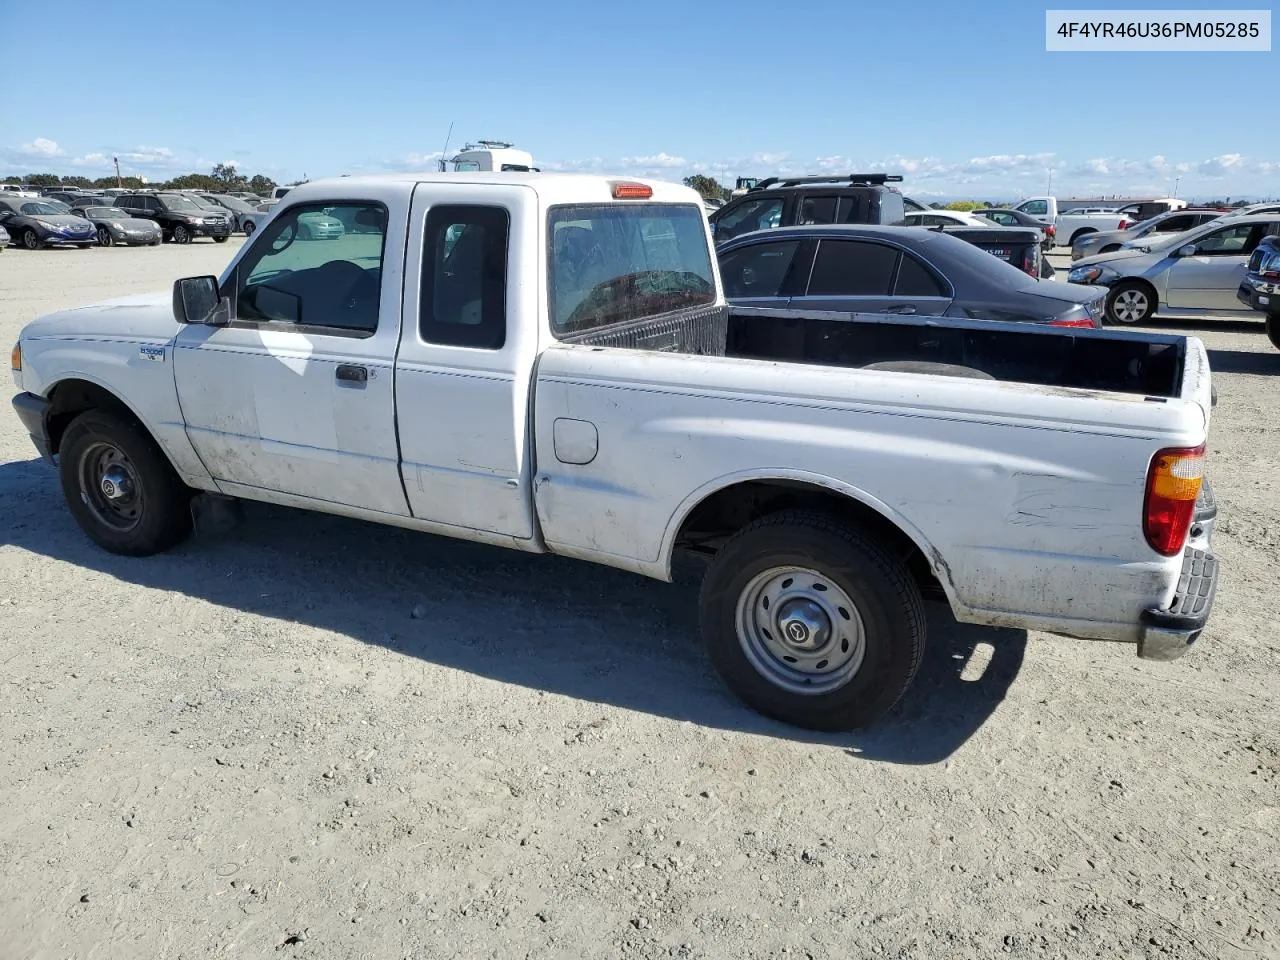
x=120, y=488
x=220, y=239
x=105, y=239
x=1273, y=329
x=1130, y=302
x=249, y=228
x=810, y=622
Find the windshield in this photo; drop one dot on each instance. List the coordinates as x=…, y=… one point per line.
x=234, y=203
x=181, y=203
x=106, y=213
x=615, y=262
x=45, y=208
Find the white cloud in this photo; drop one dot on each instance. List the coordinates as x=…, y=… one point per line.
x=40, y=147
x=659, y=161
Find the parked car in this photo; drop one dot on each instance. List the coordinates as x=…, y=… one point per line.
x=181, y=219
x=247, y=217
x=1006, y=243
x=899, y=270
x=1016, y=218
x=1261, y=287
x=36, y=223
x=1070, y=227
x=5, y=239
x=319, y=225
x=1176, y=221
x=942, y=218
x=557, y=371
x=1141, y=210
x=793, y=201
x=117, y=226
x=1190, y=274
x=1254, y=209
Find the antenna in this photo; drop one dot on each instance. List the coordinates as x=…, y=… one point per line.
x=448, y=136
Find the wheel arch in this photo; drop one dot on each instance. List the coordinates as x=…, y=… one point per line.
x=724, y=505
x=1082, y=232
x=74, y=395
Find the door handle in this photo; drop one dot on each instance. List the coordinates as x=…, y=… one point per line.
x=352, y=373
x=901, y=308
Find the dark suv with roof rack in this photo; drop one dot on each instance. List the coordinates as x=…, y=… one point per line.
x=181, y=219
x=797, y=201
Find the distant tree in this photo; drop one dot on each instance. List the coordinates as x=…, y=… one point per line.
x=76, y=182
x=43, y=179
x=132, y=183
x=260, y=185
x=229, y=177
x=965, y=206
x=707, y=186
x=193, y=181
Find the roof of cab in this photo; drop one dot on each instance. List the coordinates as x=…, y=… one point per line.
x=555, y=186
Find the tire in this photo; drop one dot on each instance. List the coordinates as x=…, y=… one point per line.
x=221, y=239
x=1130, y=302
x=156, y=243
x=846, y=581
x=31, y=240
x=181, y=234
x=1078, y=234
x=1273, y=329
x=249, y=228
x=152, y=510
x=105, y=239
x=1110, y=248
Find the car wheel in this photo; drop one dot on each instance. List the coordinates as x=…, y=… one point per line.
x=1273, y=329
x=31, y=240
x=120, y=487
x=181, y=234
x=105, y=239
x=1130, y=302
x=249, y=228
x=810, y=622
x=1110, y=248
x=221, y=239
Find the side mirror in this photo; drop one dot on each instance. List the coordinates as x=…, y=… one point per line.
x=195, y=299
x=1188, y=251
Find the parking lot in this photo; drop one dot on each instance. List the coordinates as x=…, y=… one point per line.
x=312, y=737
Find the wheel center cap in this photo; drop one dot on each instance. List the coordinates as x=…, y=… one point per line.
x=803, y=624
x=116, y=484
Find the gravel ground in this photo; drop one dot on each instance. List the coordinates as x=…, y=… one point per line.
x=312, y=738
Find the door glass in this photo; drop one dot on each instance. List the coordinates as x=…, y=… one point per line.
x=286, y=277
x=1035, y=208
x=1173, y=225
x=758, y=270
x=464, y=277
x=917, y=280
x=764, y=213
x=852, y=268
x=818, y=210
x=1230, y=242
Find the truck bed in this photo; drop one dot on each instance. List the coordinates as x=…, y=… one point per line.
x=1104, y=360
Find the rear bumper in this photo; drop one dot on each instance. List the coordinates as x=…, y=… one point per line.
x=33, y=411
x=1169, y=632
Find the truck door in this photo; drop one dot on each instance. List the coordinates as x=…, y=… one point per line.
x=463, y=377
x=296, y=393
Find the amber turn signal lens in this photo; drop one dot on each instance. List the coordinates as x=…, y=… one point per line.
x=1173, y=484
x=15, y=358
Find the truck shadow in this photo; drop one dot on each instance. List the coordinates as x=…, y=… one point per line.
x=548, y=623
x=1265, y=360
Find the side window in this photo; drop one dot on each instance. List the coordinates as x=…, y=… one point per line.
x=463, y=301
x=852, y=268
x=852, y=209
x=1035, y=208
x=763, y=213
x=917, y=280
x=818, y=210
x=1173, y=225
x=1230, y=242
x=287, y=277
x=757, y=270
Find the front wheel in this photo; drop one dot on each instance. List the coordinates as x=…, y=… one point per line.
x=119, y=486
x=181, y=234
x=249, y=227
x=105, y=239
x=31, y=240
x=1130, y=302
x=1273, y=329
x=810, y=622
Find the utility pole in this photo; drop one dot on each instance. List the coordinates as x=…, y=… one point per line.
x=1176, y=181
x=1050, y=190
x=119, y=182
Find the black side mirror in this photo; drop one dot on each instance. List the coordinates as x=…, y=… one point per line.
x=195, y=299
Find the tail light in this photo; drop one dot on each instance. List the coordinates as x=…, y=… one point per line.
x=1031, y=263
x=1051, y=231
x=1124, y=224
x=1173, y=484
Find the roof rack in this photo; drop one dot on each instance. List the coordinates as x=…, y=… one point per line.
x=872, y=178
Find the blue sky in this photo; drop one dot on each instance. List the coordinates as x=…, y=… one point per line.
x=962, y=99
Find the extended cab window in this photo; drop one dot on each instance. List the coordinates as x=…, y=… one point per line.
x=291, y=276
x=624, y=261
x=463, y=302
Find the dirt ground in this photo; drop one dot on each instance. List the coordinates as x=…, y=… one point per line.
x=314, y=738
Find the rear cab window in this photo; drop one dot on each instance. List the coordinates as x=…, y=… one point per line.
x=616, y=262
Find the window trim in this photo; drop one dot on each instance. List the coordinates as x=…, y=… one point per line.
x=426, y=282
x=306, y=329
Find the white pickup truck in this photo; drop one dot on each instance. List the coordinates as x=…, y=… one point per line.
x=1069, y=227
x=546, y=362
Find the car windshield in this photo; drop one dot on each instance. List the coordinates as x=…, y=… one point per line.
x=181, y=203
x=106, y=213
x=615, y=262
x=234, y=203
x=44, y=208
